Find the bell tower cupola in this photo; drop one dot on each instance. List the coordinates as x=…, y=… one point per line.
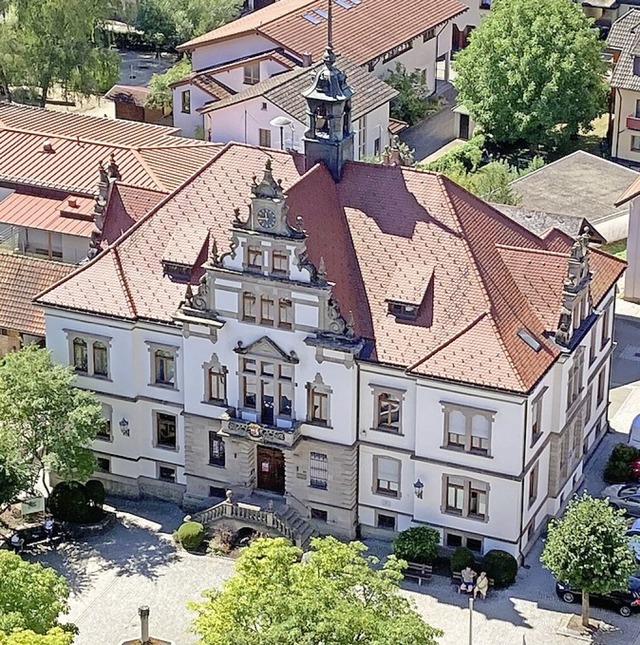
x=329, y=136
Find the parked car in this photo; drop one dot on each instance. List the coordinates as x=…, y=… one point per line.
x=624, y=602
x=624, y=496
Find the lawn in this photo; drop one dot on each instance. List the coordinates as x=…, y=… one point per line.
x=619, y=248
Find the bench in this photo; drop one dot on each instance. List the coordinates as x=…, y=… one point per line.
x=418, y=571
x=456, y=579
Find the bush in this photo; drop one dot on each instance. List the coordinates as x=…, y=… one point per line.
x=191, y=535
x=618, y=468
x=462, y=558
x=69, y=502
x=95, y=492
x=418, y=544
x=465, y=158
x=501, y=566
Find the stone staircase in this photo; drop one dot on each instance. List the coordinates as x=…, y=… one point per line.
x=285, y=520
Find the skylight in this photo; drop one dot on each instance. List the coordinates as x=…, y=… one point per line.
x=528, y=338
x=344, y=4
x=322, y=13
x=312, y=18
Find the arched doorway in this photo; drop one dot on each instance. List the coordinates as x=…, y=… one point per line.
x=270, y=464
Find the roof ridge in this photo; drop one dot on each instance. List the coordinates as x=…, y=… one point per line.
x=123, y=281
x=145, y=165
x=524, y=249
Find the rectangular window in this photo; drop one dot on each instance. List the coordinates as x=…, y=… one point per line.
x=465, y=497
x=285, y=399
x=604, y=337
x=280, y=262
x=467, y=429
x=80, y=357
x=536, y=420
x=167, y=474
x=533, y=484
x=602, y=386
x=217, y=385
x=388, y=413
x=319, y=515
x=285, y=313
x=635, y=143
x=318, y=406
x=216, y=450
x=453, y=540
x=387, y=476
x=318, y=469
x=474, y=544
x=637, y=108
x=477, y=502
x=588, y=404
x=266, y=311
x=457, y=431
x=386, y=522
x=251, y=74
x=362, y=137
x=100, y=365
x=455, y=496
x=592, y=347
x=250, y=391
x=376, y=147
x=248, y=306
x=103, y=464
x=574, y=381
x=480, y=433
x=165, y=373
x=428, y=35
x=254, y=257
x=185, y=102
x=166, y=434
x=264, y=138
x=104, y=431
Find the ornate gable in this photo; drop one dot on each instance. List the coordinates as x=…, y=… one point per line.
x=266, y=348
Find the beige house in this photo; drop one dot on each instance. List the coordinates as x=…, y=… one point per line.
x=624, y=43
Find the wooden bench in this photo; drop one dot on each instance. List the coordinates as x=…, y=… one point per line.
x=418, y=571
x=456, y=579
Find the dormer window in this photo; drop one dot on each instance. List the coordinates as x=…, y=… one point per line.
x=403, y=311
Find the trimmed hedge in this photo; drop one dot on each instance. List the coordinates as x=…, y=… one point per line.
x=417, y=544
x=501, y=566
x=461, y=558
x=68, y=502
x=191, y=535
x=95, y=492
x=618, y=469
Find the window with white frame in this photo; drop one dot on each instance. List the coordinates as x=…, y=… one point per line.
x=536, y=419
x=164, y=367
x=104, y=431
x=167, y=473
x=251, y=74
x=387, y=409
x=467, y=428
x=266, y=386
x=588, y=404
x=465, y=497
x=215, y=381
x=185, y=102
x=89, y=354
x=318, y=402
x=318, y=470
x=386, y=476
x=533, y=484
x=166, y=431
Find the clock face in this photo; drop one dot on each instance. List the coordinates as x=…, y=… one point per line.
x=266, y=218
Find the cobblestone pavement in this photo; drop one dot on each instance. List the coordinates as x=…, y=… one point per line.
x=136, y=563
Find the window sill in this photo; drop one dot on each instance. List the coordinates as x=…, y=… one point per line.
x=218, y=402
x=319, y=424
x=105, y=439
x=383, y=493
x=605, y=342
x=318, y=487
x=167, y=448
x=98, y=377
x=164, y=386
x=388, y=431
x=467, y=452
x=535, y=439
x=211, y=463
x=477, y=518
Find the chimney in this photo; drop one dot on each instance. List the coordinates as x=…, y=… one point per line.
x=47, y=146
x=307, y=59
x=143, y=612
x=72, y=202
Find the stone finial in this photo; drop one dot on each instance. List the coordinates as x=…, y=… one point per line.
x=188, y=296
x=351, y=325
x=321, y=273
x=112, y=168
x=236, y=216
x=215, y=257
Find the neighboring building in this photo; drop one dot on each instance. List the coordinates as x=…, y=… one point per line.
x=580, y=185
x=70, y=184
x=370, y=344
x=130, y=104
x=464, y=24
x=625, y=86
x=373, y=34
x=246, y=116
x=630, y=199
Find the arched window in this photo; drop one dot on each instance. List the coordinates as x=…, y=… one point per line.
x=80, y=357
x=100, y=363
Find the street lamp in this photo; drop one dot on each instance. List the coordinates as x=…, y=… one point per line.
x=418, y=489
x=124, y=427
x=281, y=122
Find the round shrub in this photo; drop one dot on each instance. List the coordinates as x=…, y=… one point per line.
x=462, y=558
x=417, y=544
x=501, y=566
x=191, y=535
x=618, y=469
x=95, y=492
x=68, y=502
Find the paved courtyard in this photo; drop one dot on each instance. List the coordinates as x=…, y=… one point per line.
x=136, y=563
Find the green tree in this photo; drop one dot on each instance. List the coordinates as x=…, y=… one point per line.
x=31, y=596
x=412, y=103
x=45, y=422
x=55, y=636
x=532, y=72
x=333, y=595
x=64, y=47
x=160, y=93
x=587, y=549
x=12, y=67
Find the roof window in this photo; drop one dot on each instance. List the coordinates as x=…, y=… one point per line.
x=528, y=338
x=636, y=65
x=403, y=311
x=312, y=18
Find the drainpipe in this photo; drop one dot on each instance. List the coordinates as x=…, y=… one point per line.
x=357, y=366
x=523, y=483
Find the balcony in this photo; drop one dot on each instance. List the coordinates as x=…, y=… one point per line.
x=261, y=433
x=633, y=123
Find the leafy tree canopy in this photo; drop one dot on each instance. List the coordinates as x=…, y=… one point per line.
x=532, y=72
x=160, y=93
x=587, y=549
x=55, y=636
x=45, y=422
x=413, y=102
x=333, y=595
x=31, y=598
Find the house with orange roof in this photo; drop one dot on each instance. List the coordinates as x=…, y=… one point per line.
x=349, y=348
x=376, y=35
x=68, y=184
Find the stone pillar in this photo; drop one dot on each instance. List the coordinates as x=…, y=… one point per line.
x=143, y=612
x=632, y=275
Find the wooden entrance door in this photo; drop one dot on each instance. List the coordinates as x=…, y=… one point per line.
x=464, y=127
x=270, y=463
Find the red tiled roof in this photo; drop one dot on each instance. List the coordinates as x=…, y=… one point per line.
x=70, y=214
x=482, y=276
x=148, y=156
x=21, y=279
x=133, y=94
x=361, y=33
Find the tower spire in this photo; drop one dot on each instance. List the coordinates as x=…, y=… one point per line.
x=329, y=56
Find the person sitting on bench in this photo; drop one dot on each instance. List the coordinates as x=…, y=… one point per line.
x=467, y=575
x=482, y=586
x=17, y=542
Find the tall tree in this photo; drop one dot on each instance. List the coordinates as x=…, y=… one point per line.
x=588, y=549
x=55, y=636
x=332, y=595
x=532, y=72
x=12, y=66
x=63, y=45
x=160, y=93
x=31, y=596
x=45, y=422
